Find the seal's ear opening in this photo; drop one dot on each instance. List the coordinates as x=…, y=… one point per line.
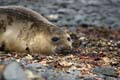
x=75, y=40
x=73, y=36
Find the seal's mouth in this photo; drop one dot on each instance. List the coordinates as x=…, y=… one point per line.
x=63, y=50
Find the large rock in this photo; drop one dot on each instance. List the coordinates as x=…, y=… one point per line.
x=13, y=71
x=60, y=76
x=108, y=71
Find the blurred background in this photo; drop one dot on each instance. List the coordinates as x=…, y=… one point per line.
x=74, y=12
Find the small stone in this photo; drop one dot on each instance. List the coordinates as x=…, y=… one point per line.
x=33, y=76
x=82, y=38
x=53, y=17
x=65, y=64
x=28, y=57
x=106, y=60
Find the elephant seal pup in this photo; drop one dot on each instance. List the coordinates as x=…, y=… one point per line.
x=22, y=29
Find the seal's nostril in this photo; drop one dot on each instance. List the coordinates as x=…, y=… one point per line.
x=69, y=48
x=69, y=39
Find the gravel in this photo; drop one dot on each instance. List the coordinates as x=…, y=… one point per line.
x=74, y=12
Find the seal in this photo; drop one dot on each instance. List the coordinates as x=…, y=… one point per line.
x=22, y=29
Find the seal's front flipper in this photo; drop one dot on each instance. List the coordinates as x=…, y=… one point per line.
x=2, y=46
x=28, y=50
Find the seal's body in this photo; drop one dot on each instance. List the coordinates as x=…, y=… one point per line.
x=23, y=29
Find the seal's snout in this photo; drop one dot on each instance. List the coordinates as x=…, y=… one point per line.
x=64, y=49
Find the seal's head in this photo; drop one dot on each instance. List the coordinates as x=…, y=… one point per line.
x=53, y=40
x=61, y=41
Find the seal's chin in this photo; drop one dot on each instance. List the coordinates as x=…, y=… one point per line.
x=63, y=50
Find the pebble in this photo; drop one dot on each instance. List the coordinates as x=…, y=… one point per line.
x=53, y=17
x=33, y=76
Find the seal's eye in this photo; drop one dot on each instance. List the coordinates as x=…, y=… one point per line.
x=69, y=39
x=55, y=39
